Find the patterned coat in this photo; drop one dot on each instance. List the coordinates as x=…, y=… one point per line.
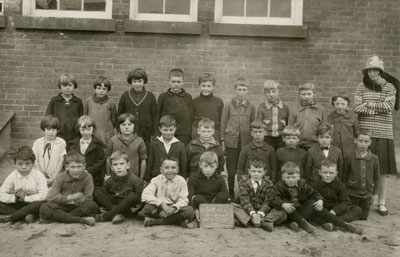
x=250, y=201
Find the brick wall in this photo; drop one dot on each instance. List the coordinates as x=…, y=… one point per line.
x=341, y=35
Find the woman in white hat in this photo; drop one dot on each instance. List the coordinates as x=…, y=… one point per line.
x=374, y=101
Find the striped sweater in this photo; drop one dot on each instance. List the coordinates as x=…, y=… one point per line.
x=374, y=109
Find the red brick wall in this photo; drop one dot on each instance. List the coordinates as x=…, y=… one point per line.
x=341, y=35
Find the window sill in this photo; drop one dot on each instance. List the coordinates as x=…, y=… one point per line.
x=162, y=27
x=223, y=29
x=52, y=23
x=2, y=21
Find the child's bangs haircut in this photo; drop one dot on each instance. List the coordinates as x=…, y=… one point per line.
x=67, y=79
x=119, y=155
x=102, y=81
x=341, y=95
x=257, y=124
x=24, y=153
x=207, y=77
x=137, y=74
x=290, y=130
x=169, y=158
x=328, y=164
x=74, y=156
x=322, y=129
x=290, y=168
x=257, y=163
x=242, y=82
x=206, y=123
x=364, y=132
x=307, y=86
x=271, y=84
x=209, y=157
x=176, y=73
x=126, y=116
x=50, y=122
x=85, y=122
x=167, y=121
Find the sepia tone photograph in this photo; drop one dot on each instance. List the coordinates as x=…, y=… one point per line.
x=237, y=128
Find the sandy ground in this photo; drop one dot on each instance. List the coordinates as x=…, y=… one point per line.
x=381, y=237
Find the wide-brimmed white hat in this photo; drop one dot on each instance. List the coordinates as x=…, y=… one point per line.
x=373, y=62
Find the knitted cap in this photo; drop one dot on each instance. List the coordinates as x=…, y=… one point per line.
x=373, y=62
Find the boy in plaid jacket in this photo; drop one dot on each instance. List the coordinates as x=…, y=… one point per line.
x=255, y=193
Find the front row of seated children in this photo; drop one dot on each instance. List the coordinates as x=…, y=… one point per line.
x=168, y=200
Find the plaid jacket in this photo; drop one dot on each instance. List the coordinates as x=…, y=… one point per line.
x=250, y=201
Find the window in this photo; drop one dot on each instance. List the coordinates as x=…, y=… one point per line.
x=164, y=10
x=96, y=9
x=1, y=7
x=268, y=12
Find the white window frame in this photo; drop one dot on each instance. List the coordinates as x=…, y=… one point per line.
x=295, y=20
x=28, y=9
x=135, y=15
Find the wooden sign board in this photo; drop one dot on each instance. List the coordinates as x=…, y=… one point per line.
x=216, y=216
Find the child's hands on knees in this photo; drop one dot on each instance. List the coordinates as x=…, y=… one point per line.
x=21, y=194
x=75, y=196
x=256, y=219
x=288, y=207
x=168, y=209
x=318, y=205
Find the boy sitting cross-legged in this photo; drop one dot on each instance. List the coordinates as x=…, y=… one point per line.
x=206, y=186
x=302, y=202
x=336, y=199
x=166, y=197
x=120, y=192
x=255, y=194
x=70, y=198
x=24, y=190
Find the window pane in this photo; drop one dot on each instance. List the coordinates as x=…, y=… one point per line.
x=257, y=8
x=281, y=8
x=94, y=5
x=150, y=6
x=177, y=6
x=45, y=4
x=71, y=5
x=233, y=8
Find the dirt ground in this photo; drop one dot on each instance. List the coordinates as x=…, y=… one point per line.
x=381, y=237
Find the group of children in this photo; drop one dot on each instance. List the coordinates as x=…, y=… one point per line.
x=292, y=164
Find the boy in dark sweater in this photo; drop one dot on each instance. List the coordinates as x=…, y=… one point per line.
x=255, y=194
x=257, y=148
x=301, y=202
x=324, y=150
x=361, y=173
x=207, y=105
x=141, y=103
x=120, y=192
x=336, y=199
x=177, y=103
x=206, y=186
x=291, y=152
x=205, y=142
x=70, y=198
x=166, y=145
